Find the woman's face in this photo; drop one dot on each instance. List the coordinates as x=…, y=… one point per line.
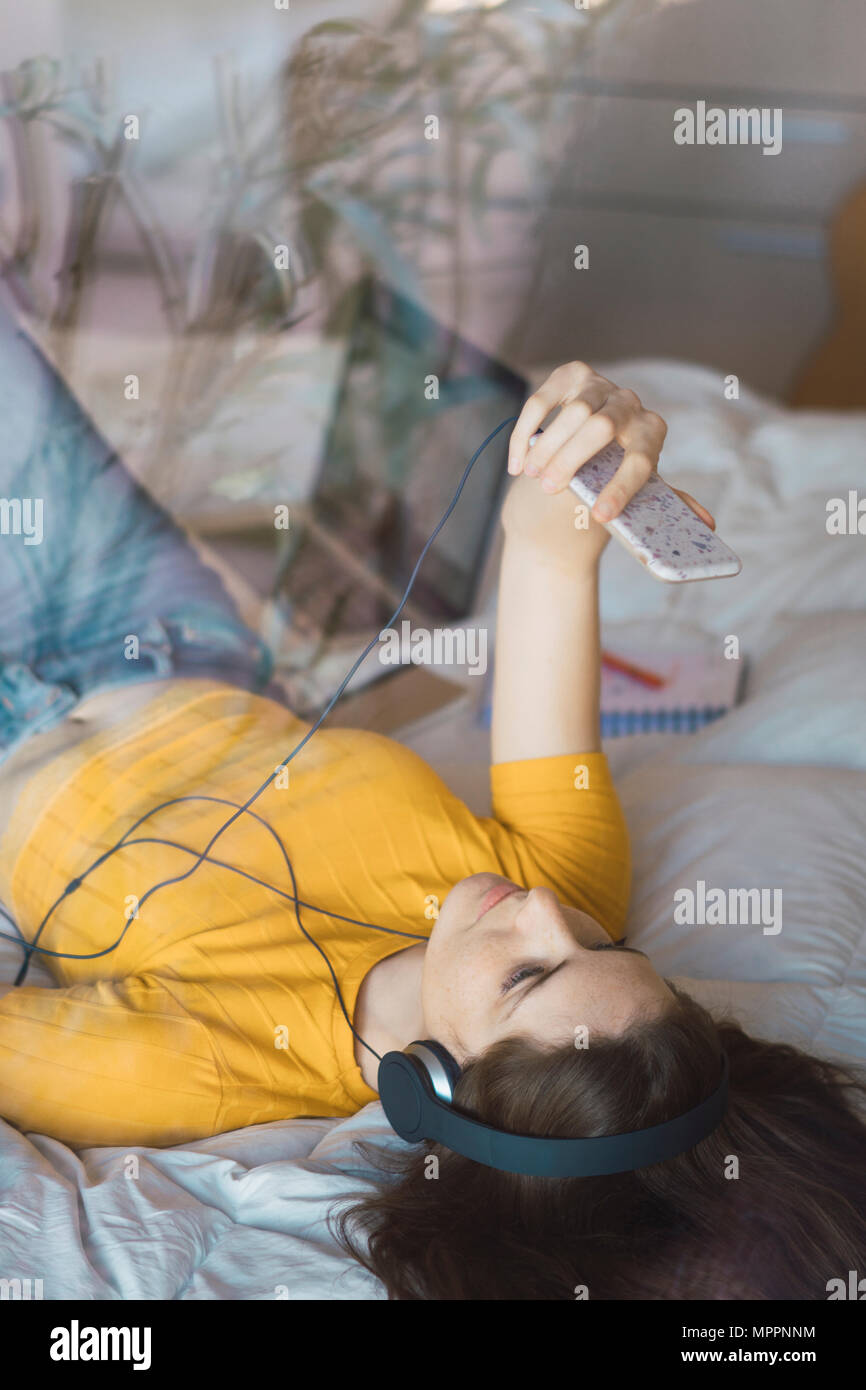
x=503, y=960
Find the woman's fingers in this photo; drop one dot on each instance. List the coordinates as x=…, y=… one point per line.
x=579, y=427
x=641, y=436
x=562, y=386
x=562, y=451
x=696, y=507
x=593, y=412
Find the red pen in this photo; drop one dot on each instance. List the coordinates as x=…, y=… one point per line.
x=627, y=668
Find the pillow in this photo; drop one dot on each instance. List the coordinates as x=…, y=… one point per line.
x=803, y=699
x=695, y=393
x=824, y=1020
x=814, y=451
x=796, y=833
x=790, y=565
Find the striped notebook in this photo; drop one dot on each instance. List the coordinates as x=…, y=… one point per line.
x=700, y=686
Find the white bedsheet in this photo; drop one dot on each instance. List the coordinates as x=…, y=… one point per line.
x=774, y=796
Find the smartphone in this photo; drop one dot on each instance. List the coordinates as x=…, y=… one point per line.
x=657, y=526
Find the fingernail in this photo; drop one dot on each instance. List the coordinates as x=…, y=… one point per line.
x=513, y=464
x=603, y=511
x=549, y=484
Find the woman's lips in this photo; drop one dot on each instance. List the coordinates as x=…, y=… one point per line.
x=495, y=895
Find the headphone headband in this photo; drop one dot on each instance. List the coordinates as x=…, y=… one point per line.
x=416, y=1089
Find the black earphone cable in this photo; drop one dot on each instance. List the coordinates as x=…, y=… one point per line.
x=201, y=856
x=233, y=868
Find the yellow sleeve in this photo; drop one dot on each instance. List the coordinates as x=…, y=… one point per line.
x=112, y=1062
x=558, y=822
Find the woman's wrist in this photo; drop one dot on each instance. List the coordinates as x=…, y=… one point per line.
x=554, y=531
x=574, y=561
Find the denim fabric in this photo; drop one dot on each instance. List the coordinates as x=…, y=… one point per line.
x=88, y=560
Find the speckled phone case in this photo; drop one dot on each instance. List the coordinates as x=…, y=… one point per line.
x=657, y=526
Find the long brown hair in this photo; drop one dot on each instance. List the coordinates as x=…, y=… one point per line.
x=771, y=1205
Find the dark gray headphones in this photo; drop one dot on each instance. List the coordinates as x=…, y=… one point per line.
x=416, y=1088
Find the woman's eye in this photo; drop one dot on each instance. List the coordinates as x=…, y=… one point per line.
x=523, y=973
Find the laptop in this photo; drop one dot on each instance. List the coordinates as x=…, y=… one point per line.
x=415, y=401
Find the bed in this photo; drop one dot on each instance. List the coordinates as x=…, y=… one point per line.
x=773, y=795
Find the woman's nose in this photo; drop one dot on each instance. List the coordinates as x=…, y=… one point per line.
x=541, y=911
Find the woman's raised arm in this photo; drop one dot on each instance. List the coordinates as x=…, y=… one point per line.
x=546, y=678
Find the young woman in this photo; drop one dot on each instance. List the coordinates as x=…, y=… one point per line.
x=127, y=681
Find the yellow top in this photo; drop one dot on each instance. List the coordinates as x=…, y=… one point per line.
x=214, y=1012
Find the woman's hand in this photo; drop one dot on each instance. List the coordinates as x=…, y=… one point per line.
x=540, y=507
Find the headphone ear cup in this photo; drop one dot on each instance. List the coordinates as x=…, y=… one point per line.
x=402, y=1094
x=409, y=1093
x=452, y=1069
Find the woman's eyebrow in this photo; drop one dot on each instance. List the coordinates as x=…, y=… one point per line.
x=542, y=979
